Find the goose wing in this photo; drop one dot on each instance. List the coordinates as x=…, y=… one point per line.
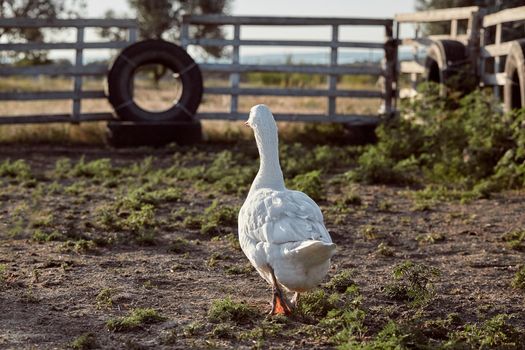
x=279, y=217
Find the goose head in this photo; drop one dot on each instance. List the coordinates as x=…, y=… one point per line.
x=261, y=121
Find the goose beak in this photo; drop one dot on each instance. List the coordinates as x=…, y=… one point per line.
x=246, y=124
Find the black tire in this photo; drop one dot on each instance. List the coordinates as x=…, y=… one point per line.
x=446, y=61
x=514, y=88
x=121, y=73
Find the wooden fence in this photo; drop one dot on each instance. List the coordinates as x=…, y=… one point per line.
x=77, y=71
x=333, y=70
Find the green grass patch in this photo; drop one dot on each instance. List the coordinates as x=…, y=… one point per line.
x=85, y=341
x=341, y=281
x=227, y=310
x=515, y=239
x=218, y=218
x=412, y=282
x=41, y=236
x=136, y=318
x=494, y=333
x=19, y=169
x=519, y=279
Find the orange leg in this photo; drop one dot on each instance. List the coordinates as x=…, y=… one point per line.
x=280, y=305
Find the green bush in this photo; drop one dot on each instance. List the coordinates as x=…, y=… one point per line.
x=309, y=183
x=464, y=143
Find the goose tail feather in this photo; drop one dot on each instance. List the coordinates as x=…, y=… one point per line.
x=312, y=253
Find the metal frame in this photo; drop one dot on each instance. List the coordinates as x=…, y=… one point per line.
x=78, y=70
x=333, y=70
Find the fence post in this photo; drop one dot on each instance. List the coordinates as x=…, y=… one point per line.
x=79, y=61
x=497, y=60
x=390, y=69
x=132, y=34
x=332, y=82
x=454, y=28
x=235, y=77
x=184, y=33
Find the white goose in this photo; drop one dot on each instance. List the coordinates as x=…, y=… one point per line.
x=281, y=231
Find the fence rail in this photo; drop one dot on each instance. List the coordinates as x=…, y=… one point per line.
x=77, y=71
x=498, y=49
x=333, y=70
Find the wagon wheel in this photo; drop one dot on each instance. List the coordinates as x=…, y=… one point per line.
x=132, y=59
x=447, y=64
x=514, y=88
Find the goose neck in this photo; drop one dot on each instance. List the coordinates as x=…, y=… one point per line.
x=270, y=174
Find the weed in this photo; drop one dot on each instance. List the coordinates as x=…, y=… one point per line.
x=84, y=342
x=223, y=331
x=384, y=205
x=41, y=236
x=316, y=304
x=352, y=199
x=179, y=246
x=227, y=174
x=431, y=238
x=193, y=328
x=369, y=232
x=3, y=268
x=515, y=239
x=238, y=269
x=233, y=241
x=104, y=298
x=18, y=169
x=384, y=250
x=225, y=310
x=391, y=337
x=309, y=183
x=136, y=318
x=345, y=319
x=412, y=282
x=41, y=219
x=145, y=237
x=494, y=333
x=519, y=279
x=98, y=169
x=214, y=258
x=341, y=281
x=346, y=324
x=142, y=218
x=216, y=219
x=62, y=168
x=269, y=327
x=79, y=246
x=145, y=195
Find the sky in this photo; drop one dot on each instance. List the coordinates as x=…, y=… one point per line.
x=307, y=8
x=335, y=8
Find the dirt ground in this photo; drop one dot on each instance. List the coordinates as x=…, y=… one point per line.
x=54, y=290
